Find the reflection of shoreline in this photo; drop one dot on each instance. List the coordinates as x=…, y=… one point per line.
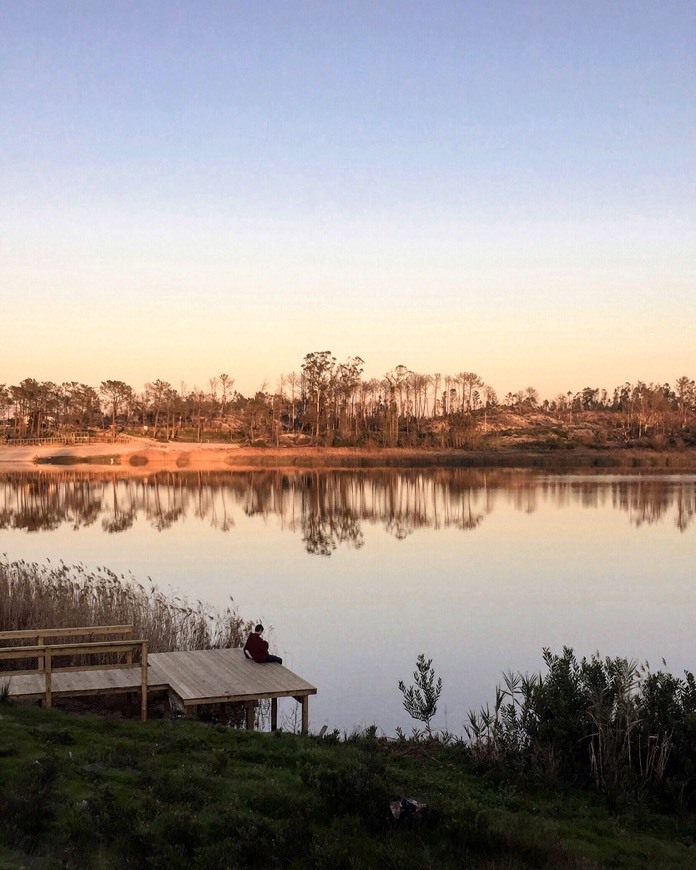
x=328, y=508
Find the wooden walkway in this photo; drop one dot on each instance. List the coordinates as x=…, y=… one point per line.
x=192, y=679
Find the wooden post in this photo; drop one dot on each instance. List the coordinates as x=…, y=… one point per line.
x=143, y=681
x=305, y=713
x=250, y=715
x=40, y=641
x=48, y=687
x=274, y=714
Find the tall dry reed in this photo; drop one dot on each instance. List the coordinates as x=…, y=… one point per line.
x=36, y=596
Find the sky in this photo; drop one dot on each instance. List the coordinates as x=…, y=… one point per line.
x=192, y=188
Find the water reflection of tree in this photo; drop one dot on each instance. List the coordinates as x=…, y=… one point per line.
x=398, y=528
x=686, y=509
x=37, y=501
x=647, y=501
x=118, y=519
x=328, y=508
x=118, y=523
x=327, y=518
x=165, y=506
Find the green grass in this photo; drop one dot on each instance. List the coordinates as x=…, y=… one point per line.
x=84, y=791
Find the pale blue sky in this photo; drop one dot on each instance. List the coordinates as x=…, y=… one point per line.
x=190, y=188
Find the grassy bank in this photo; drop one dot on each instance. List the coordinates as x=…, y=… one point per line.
x=576, y=459
x=91, y=792
x=590, y=765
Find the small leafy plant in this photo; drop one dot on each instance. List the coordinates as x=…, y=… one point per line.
x=420, y=700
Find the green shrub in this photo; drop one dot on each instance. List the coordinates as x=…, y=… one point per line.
x=605, y=722
x=420, y=700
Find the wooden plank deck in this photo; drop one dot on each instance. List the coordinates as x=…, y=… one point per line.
x=211, y=676
x=195, y=677
x=31, y=687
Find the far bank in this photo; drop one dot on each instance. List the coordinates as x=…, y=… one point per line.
x=144, y=455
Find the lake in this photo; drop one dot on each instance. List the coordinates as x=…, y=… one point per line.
x=356, y=573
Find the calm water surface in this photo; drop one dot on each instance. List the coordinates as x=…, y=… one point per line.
x=357, y=573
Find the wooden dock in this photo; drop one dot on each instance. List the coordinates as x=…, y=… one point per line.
x=217, y=676
x=192, y=678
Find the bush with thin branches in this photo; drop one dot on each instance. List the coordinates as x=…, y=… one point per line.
x=420, y=700
x=606, y=722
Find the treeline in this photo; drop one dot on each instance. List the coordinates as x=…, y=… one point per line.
x=331, y=403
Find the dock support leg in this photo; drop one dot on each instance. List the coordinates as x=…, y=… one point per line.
x=305, y=713
x=250, y=715
x=48, y=677
x=130, y=703
x=274, y=714
x=143, y=680
x=191, y=711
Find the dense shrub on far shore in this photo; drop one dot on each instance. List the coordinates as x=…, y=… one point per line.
x=36, y=596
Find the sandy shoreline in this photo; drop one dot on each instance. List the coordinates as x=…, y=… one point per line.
x=144, y=456
x=130, y=456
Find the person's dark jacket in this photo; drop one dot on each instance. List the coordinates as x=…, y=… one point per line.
x=257, y=647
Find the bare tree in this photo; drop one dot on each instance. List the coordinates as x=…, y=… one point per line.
x=469, y=382
x=293, y=380
x=686, y=399
x=226, y=382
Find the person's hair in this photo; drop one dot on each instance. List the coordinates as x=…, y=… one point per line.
x=258, y=628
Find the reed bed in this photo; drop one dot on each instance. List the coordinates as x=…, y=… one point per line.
x=34, y=596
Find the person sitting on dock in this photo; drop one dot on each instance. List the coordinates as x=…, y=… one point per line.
x=257, y=648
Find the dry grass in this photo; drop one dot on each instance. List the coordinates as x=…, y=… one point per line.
x=36, y=596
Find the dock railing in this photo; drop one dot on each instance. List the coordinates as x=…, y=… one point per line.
x=122, y=654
